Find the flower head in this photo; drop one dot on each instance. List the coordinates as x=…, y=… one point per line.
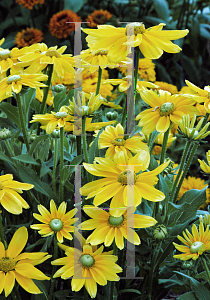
x=203, y=165
x=123, y=176
x=108, y=227
x=92, y=264
x=113, y=138
x=9, y=194
x=62, y=23
x=151, y=41
x=195, y=243
x=167, y=87
x=165, y=108
x=159, y=141
x=29, y=3
x=28, y=36
x=98, y=17
x=56, y=221
x=20, y=266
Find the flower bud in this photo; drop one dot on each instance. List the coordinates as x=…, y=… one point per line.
x=5, y=134
x=160, y=233
x=59, y=88
x=188, y=264
x=111, y=115
x=32, y=136
x=55, y=134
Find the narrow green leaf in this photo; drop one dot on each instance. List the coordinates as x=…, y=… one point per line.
x=11, y=112
x=129, y=291
x=94, y=148
x=26, y=158
x=188, y=296
x=36, y=142
x=161, y=7
x=60, y=100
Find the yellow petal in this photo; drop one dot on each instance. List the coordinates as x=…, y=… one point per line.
x=17, y=242
x=2, y=281
x=28, y=270
x=9, y=282
x=27, y=284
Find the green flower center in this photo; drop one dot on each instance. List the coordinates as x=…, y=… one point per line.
x=13, y=78
x=127, y=177
x=166, y=109
x=118, y=142
x=56, y=224
x=197, y=247
x=4, y=54
x=137, y=28
x=61, y=114
x=115, y=221
x=7, y=264
x=87, y=260
x=52, y=53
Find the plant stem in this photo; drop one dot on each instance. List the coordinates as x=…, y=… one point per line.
x=186, y=169
x=164, y=146
x=61, y=164
x=183, y=159
x=206, y=268
x=2, y=233
x=22, y=121
x=99, y=80
x=55, y=164
x=55, y=256
x=79, y=149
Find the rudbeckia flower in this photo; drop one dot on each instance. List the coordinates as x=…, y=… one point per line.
x=113, y=138
x=14, y=83
x=29, y=3
x=166, y=87
x=151, y=41
x=57, y=221
x=121, y=179
x=195, y=243
x=53, y=120
x=9, y=194
x=28, y=36
x=20, y=266
x=108, y=227
x=165, y=108
x=94, y=265
x=98, y=17
x=203, y=165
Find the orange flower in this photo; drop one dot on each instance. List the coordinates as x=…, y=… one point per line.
x=29, y=3
x=59, y=23
x=98, y=17
x=28, y=36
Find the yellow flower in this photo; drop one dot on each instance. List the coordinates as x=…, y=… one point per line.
x=199, y=95
x=9, y=194
x=107, y=227
x=14, y=265
x=195, y=243
x=95, y=267
x=151, y=41
x=39, y=96
x=159, y=140
x=56, y=221
x=165, y=108
x=53, y=120
x=14, y=83
x=89, y=86
x=44, y=56
x=167, y=87
x=203, y=165
x=123, y=84
x=122, y=179
x=190, y=183
x=113, y=137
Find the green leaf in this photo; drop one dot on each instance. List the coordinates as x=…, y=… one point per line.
x=162, y=9
x=129, y=291
x=26, y=158
x=171, y=282
x=75, y=6
x=190, y=69
x=31, y=247
x=163, y=73
x=163, y=187
x=42, y=286
x=205, y=30
x=36, y=142
x=69, y=186
x=202, y=275
x=94, y=147
x=31, y=94
x=188, y=296
x=5, y=158
x=11, y=112
x=60, y=100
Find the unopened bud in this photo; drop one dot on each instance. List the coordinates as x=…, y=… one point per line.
x=59, y=88
x=160, y=232
x=5, y=134
x=55, y=134
x=188, y=264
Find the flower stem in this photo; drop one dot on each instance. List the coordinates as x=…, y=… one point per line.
x=61, y=164
x=22, y=121
x=78, y=140
x=55, y=164
x=99, y=80
x=194, y=148
x=2, y=233
x=183, y=159
x=206, y=268
x=164, y=146
x=55, y=256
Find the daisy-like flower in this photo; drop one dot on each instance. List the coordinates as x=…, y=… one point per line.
x=190, y=183
x=14, y=83
x=98, y=17
x=89, y=86
x=28, y=36
x=53, y=120
x=113, y=138
x=203, y=165
x=186, y=128
x=151, y=41
x=159, y=141
x=20, y=266
x=165, y=108
x=121, y=179
x=199, y=95
x=62, y=23
x=56, y=221
x=44, y=56
x=9, y=194
x=123, y=84
x=108, y=227
x=167, y=87
x=94, y=265
x=29, y=3
x=195, y=243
